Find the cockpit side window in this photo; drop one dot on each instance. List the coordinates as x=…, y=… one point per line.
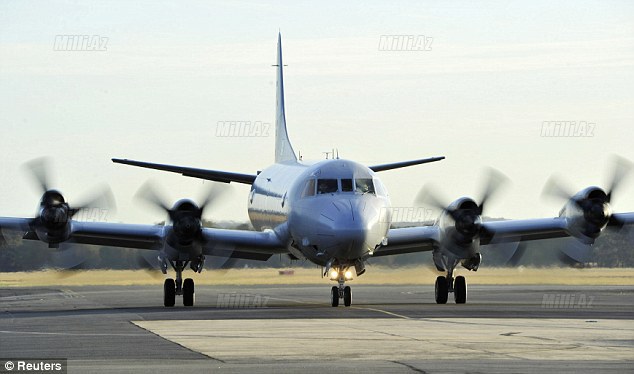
x=380, y=188
x=364, y=185
x=346, y=185
x=309, y=188
x=327, y=186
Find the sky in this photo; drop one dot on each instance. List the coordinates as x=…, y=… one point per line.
x=479, y=95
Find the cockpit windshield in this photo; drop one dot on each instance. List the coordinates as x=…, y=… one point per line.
x=314, y=187
x=364, y=185
x=327, y=186
x=346, y=185
x=309, y=188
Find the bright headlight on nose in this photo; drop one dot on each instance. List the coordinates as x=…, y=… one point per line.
x=334, y=274
x=348, y=275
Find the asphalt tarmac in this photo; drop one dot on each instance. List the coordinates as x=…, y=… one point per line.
x=276, y=329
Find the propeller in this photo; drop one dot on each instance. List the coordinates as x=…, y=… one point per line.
x=67, y=261
x=52, y=222
x=467, y=215
x=148, y=261
x=495, y=181
x=556, y=187
x=465, y=218
x=621, y=167
x=595, y=205
x=100, y=198
x=574, y=251
x=150, y=194
x=186, y=218
x=39, y=168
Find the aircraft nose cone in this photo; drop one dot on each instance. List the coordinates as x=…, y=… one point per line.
x=352, y=226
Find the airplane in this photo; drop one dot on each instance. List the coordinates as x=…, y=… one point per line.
x=333, y=212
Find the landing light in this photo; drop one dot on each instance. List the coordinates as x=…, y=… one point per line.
x=334, y=274
x=348, y=274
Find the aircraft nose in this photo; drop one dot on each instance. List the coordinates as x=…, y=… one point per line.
x=352, y=226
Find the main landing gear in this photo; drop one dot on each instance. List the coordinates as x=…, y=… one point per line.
x=172, y=288
x=342, y=291
x=447, y=284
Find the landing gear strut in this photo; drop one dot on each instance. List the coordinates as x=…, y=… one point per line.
x=447, y=284
x=342, y=291
x=172, y=288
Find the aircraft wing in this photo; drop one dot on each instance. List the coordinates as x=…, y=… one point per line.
x=212, y=175
x=13, y=224
x=423, y=238
x=535, y=229
x=253, y=245
x=118, y=234
x=408, y=240
x=523, y=230
x=244, y=244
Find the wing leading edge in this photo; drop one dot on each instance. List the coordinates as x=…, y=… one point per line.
x=243, y=244
x=424, y=238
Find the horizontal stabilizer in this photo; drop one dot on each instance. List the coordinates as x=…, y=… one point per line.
x=212, y=175
x=404, y=164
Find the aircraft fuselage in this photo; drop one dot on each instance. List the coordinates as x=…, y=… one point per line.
x=336, y=210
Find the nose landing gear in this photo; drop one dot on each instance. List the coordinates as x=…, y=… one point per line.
x=341, y=274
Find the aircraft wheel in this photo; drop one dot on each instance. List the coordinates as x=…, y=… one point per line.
x=441, y=290
x=460, y=290
x=347, y=296
x=188, y=292
x=169, y=292
x=334, y=295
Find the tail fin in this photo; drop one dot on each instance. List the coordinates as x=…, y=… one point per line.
x=283, y=148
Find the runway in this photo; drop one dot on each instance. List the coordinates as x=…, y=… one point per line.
x=292, y=328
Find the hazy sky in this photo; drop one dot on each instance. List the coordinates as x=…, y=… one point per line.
x=172, y=70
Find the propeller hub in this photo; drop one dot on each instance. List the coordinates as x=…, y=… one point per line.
x=186, y=226
x=468, y=223
x=598, y=212
x=54, y=216
x=52, y=198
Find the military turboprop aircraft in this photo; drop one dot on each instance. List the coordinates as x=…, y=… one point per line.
x=333, y=212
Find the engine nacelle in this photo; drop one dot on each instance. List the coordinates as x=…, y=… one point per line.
x=587, y=213
x=460, y=226
x=52, y=224
x=186, y=222
x=472, y=263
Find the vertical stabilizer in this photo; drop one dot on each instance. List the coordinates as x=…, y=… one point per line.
x=283, y=149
